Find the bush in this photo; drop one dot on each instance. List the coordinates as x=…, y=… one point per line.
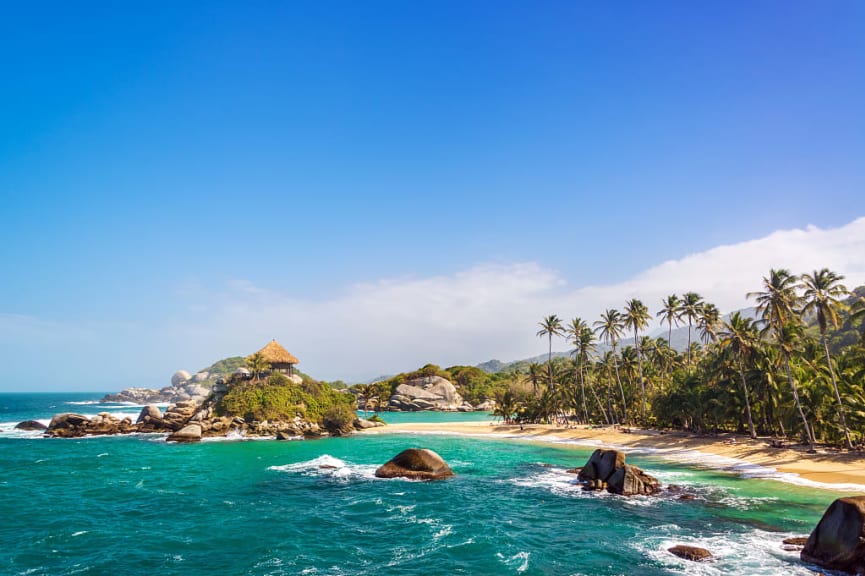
x=339, y=420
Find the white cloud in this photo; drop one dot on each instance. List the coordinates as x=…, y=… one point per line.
x=492, y=310
x=487, y=311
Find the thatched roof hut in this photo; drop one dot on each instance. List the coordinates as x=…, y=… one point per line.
x=280, y=359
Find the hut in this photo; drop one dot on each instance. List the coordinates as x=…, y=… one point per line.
x=280, y=359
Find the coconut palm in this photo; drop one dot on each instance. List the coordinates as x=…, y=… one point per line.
x=670, y=310
x=610, y=328
x=533, y=376
x=822, y=294
x=708, y=321
x=777, y=306
x=574, y=331
x=636, y=318
x=550, y=326
x=740, y=337
x=257, y=364
x=690, y=308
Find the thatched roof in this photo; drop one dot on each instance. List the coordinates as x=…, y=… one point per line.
x=274, y=353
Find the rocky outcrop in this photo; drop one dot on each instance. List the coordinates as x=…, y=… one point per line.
x=606, y=469
x=486, y=406
x=838, y=541
x=189, y=433
x=71, y=425
x=794, y=544
x=632, y=481
x=30, y=425
x=416, y=464
x=693, y=553
x=427, y=393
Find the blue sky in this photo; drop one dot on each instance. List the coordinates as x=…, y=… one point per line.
x=184, y=181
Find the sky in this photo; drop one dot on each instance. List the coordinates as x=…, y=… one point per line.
x=379, y=185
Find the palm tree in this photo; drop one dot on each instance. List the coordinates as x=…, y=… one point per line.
x=823, y=290
x=776, y=305
x=574, y=331
x=611, y=327
x=257, y=364
x=708, y=322
x=550, y=326
x=739, y=335
x=670, y=311
x=637, y=318
x=690, y=309
x=533, y=376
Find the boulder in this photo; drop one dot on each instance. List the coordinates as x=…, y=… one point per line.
x=632, y=481
x=486, y=406
x=150, y=411
x=201, y=377
x=190, y=433
x=838, y=541
x=693, y=553
x=179, y=378
x=426, y=393
x=601, y=465
x=30, y=425
x=417, y=464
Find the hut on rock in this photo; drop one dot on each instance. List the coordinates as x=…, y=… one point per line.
x=280, y=359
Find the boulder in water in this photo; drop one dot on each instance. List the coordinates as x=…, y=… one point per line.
x=632, y=481
x=838, y=541
x=417, y=464
x=601, y=465
x=30, y=425
x=693, y=553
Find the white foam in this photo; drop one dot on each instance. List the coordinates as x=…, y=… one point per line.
x=755, y=552
x=330, y=467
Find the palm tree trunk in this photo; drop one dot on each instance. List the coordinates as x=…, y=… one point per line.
x=796, y=398
x=747, y=401
x=837, y=394
x=583, y=392
x=550, y=361
x=621, y=388
x=642, y=383
x=595, y=395
x=689, y=345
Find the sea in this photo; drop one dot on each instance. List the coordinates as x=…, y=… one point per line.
x=137, y=505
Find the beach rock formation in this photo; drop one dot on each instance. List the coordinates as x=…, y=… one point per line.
x=69, y=425
x=693, y=553
x=838, y=541
x=427, y=393
x=606, y=469
x=416, y=464
x=30, y=425
x=189, y=433
x=179, y=378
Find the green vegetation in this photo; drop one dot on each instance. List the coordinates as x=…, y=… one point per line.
x=278, y=398
x=796, y=370
x=472, y=383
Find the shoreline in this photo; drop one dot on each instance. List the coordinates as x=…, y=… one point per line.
x=827, y=469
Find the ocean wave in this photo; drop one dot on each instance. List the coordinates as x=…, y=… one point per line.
x=754, y=552
x=329, y=467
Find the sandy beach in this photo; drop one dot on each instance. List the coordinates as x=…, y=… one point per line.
x=730, y=452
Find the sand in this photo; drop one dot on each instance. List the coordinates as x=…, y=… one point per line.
x=836, y=469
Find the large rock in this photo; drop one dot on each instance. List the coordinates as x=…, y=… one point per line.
x=631, y=481
x=601, y=465
x=427, y=393
x=607, y=469
x=190, y=433
x=179, y=378
x=693, y=553
x=838, y=541
x=149, y=413
x=417, y=464
x=30, y=425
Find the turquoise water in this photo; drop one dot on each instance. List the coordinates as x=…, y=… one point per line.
x=137, y=505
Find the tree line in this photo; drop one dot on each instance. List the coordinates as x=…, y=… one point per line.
x=775, y=374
